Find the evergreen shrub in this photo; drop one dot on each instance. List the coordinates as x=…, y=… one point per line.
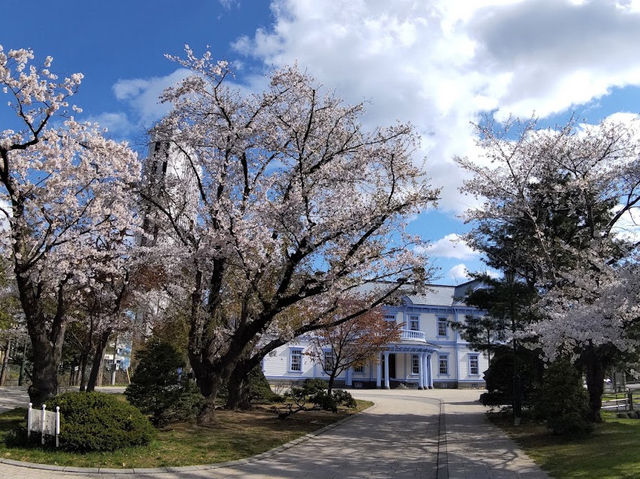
x=562, y=401
x=99, y=422
x=158, y=390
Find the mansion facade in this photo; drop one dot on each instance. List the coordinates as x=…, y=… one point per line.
x=430, y=352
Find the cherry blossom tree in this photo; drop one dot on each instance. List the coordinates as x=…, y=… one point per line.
x=353, y=342
x=294, y=207
x=65, y=187
x=553, y=202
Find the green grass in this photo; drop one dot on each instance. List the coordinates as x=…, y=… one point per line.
x=234, y=435
x=612, y=451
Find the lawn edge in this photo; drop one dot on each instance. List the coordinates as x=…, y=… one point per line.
x=204, y=467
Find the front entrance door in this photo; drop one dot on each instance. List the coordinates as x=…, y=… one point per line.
x=392, y=366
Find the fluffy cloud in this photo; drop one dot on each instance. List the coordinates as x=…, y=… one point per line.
x=440, y=63
x=451, y=246
x=142, y=95
x=628, y=227
x=459, y=273
x=116, y=123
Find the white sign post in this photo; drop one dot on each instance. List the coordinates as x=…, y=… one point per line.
x=47, y=422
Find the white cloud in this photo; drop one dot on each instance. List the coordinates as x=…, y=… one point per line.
x=440, y=63
x=459, y=273
x=628, y=226
x=142, y=95
x=451, y=246
x=227, y=4
x=117, y=123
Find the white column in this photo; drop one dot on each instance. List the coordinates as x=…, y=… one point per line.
x=349, y=379
x=379, y=372
x=420, y=371
x=386, y=370
x=425, y=371
x=429, y=372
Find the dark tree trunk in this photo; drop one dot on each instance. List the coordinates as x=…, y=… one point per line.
x=238, y=392
x=5, y=362
x=83, y=370
x=96, y=366
x=84, y=359
x=46, y=357
x=594, y=370
x=332, y=380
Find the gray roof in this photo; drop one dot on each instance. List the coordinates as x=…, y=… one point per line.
x=432, y=295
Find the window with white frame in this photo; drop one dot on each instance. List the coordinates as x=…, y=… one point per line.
x=415, y=364
x=295, y=360
x=328, y=361
x=443, y=364
x=390, y=317
x=442, y=326
x=414, y=323
x=474, y=365
x=359, y=368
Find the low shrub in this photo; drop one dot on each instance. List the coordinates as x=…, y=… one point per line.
x=99, y=422
x=313, y=391
x=344, y=398
x=494, y=398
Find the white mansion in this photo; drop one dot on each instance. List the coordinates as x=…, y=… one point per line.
x=429, y=354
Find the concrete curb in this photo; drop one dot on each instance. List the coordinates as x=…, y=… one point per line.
x=205, y=467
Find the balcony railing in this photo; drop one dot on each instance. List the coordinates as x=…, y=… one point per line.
x=410, y=335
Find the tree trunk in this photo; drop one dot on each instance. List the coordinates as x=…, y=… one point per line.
x=96, y=366
x=209, y=387
x=83, y=370
x=5, y=363
x=238, y=392
x=594, y=370
x=46, y=357
x=332, y=380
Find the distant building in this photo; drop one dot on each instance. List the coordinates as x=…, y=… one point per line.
x=168, y=178
x=429, y=354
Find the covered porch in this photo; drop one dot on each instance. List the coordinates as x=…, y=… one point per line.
x=406, y=364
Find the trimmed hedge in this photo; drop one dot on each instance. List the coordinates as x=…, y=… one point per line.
x=99, y=422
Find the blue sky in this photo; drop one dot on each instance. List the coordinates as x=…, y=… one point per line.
x=440, y=64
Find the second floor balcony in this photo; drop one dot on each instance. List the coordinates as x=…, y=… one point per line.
x=411, y=335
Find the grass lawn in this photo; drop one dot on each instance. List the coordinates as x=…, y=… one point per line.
x=612, y=451
x=234, y=435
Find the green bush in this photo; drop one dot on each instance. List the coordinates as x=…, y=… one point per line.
x=495, y=398
x=312, y=386
x=99, y=422
x=562, y=401
x=158, y=390
x=259, y=388
x=345, y=398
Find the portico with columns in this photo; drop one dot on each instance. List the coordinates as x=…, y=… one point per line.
x=423, y=374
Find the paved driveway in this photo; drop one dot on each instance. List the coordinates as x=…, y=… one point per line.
x=397, y=438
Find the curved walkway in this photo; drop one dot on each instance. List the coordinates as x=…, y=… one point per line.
x=397, y=438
